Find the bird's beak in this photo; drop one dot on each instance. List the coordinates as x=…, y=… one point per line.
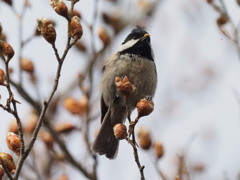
x=146, y=35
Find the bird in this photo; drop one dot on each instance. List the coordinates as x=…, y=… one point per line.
x=135, y=60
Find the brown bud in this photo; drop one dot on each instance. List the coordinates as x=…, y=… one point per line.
x=13, y=142
x=60, y=156
x=177, y=177
x=31, y=124
x=209, y=1
x=124, y=86
x=76, y=107
x=145, y=107
x=80, y=46
x=1, y=172
x=114, y=20
x=47, y=139
x=76, y=28
x=6, y=50
x=27, y=3
x=199, y=167
x=158, y=149
x=144, y=138
x=120, y=131
x=7, y=160
x=13, y=127
x=27, y=65
x=59, y=7
x=103, y=35
x=223, y=19
x=47, y=30
x=63, y=177
x=64, y=127
x=238, y=2
x=9, y=2
x=2, y=77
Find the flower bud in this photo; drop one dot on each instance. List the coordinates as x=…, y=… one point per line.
x=76, y=28
x=238, y=2
x=13, y=142
x=120, y=131
x=1, y=172
x=60, y=156
x=27, y=65
x=158, y=149
x=80, y=46
x=177, y=177
x=144, y=138
x=2, y=77
x=47, y=139
x=115, y=20
x=223, y=19
x=6, y=49
x=47, y=30
x=144, y=107
x=209, y=1
x=124, y=86
x=64, y=127
x=76, y=107
x=31, y=124
x=9, y=2
x=13, y=127
x=7, y=160
x=59, y=7
x=103, y=35
x=63, y=177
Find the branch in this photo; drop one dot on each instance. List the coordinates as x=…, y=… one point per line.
x=134, y=146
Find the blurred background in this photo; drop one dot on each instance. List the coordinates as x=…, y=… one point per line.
x=197, y=102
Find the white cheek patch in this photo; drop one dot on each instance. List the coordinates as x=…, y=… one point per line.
x=128, y=44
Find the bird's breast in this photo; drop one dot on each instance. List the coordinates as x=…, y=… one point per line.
x=140, y=72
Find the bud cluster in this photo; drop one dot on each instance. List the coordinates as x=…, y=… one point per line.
x=47, y=30
x=76, y=30
x=59, y=7
x=31, y=124
x=6, y=49
x=145, y=107
x=103, y=35
x=7, y=160
x=144, y=138
x=2, y=77
x=223, y=19
x=146, y=143
x=124, y=86
x=76, y=107
x=27, y=65
x=13, y=142
x=47, y=139
x=64, y=127
x=120, y=131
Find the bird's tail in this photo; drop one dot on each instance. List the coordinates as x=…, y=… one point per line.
x=105, y=142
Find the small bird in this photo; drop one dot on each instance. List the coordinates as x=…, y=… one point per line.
x=134, y=60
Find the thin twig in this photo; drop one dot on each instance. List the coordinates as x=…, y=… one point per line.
x=161, y=174
x=132, y=141
x=135, y=152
